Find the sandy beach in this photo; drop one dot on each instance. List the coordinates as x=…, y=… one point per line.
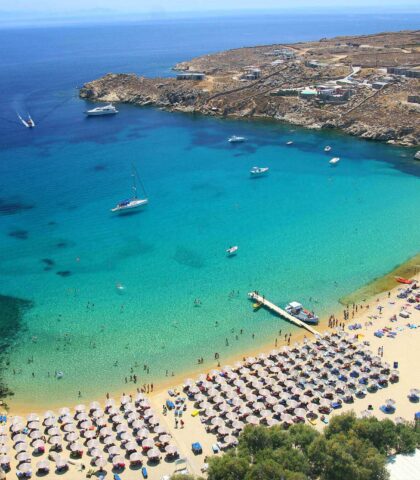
x=401, y=349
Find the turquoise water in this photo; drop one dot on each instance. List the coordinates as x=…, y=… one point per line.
x=305, y=232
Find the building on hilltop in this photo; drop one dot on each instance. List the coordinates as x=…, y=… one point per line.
x=190, y=76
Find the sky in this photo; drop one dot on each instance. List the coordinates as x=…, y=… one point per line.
x=52, y=12
x=167, y=6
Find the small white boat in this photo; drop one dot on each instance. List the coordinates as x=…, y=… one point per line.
x=232, y=251
x=258, y=171
x=132, y=203
x=29, y=123
x=236, y=139
x=105, y=110
x=289, y=142
x=334, y=161
x=327, y=149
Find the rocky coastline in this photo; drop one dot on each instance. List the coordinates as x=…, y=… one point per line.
x=343, y=83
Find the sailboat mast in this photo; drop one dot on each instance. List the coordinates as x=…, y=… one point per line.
x=134, y=184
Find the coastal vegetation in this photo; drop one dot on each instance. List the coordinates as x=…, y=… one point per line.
x=349, y=448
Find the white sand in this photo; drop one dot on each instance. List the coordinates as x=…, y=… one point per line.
x=403, y=349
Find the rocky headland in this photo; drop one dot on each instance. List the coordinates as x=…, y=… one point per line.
x=368, y=86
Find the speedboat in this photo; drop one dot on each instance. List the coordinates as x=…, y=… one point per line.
x=327, y=149
x=29, y=123
x=296, y=310
x=105, y=110
x=289, y=142
x=334, y=161
x=135, y=202
x=236, y=139
x=232, y=251
x=258, y=171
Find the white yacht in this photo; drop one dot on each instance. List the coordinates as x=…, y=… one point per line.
x=135, y=202
x=334, y=161
x=232, y=251
x=105, y=110
x=236, y=139
x=327, y=149
x=258, y=171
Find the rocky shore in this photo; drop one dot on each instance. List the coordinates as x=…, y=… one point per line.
x=346, y=83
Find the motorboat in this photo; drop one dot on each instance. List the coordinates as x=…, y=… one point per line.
x=327, y=149
x=296, y=310
x=289, y=142
x=105, y=110
x=134, y=202
x=334, y=161
x=232, y=251
x=29, y=123
x=236, y=139
x=258, y=171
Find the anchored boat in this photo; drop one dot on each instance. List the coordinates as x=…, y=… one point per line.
x=327, y=149
x=334, y=161
x=236, y=139
x=135, y=202
x=105, y=110
x=258, y=171
x=296, y=310
x=232, y=251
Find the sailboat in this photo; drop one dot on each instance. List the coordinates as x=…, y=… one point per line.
x=29, y=123
x=134, y=202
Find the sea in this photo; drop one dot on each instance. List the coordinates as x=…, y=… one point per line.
x=90, y=300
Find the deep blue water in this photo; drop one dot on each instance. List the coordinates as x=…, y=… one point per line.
x=306, y=232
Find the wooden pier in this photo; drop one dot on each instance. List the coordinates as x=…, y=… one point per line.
x=274, y=308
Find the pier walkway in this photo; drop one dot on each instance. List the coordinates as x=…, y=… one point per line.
x=271, y=306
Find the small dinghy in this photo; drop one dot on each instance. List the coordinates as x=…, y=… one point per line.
x=327, y=149
x=232, y=251
x=334, y=161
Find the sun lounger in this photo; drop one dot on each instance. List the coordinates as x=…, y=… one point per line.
x=144, y=472
x=170, y=404
x=194, y=413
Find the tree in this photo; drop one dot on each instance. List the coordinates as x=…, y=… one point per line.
x=340, y=424
x=254, y=439
x=302, y=435
x=381, y=434
x=270, y=470
x=227, y=467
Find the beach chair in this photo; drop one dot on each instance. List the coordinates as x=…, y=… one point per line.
x=144, y=472
x=194, y=413
x=197, y=448
x=215, y=448
x=170, y=404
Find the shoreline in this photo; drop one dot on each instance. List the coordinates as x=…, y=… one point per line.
x=368, y=103
x=376, y=287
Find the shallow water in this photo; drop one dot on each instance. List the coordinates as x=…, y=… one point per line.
x=305, y=232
